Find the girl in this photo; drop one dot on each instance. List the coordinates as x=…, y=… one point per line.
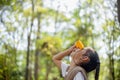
x=83, y=61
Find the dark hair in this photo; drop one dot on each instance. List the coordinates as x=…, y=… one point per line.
x=94, y=63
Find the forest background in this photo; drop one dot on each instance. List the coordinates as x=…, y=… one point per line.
x=32, y=31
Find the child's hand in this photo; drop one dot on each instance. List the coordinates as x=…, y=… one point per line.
x=71, y=48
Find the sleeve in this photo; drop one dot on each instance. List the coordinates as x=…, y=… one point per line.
x=64, y=67
x=79, y=76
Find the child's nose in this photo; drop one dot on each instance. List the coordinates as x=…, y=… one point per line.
x=74, y=49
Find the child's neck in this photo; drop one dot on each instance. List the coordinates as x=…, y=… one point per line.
x=72, y=65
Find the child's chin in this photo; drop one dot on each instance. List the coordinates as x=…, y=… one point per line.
x=71, y=55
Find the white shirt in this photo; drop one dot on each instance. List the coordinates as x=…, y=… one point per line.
x=64, y=67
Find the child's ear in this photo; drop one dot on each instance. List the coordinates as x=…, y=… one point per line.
x=85, y=58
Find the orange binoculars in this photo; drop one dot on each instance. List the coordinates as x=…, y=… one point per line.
x=79, y=44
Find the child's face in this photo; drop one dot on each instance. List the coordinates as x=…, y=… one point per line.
x=77, y=55
x=77, y=51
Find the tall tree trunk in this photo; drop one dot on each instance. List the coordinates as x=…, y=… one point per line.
x=48, y=69
x=37, y=50
x=111, y=67
x=6, y=75
x=111, y=59
x=56, y=19
x=28, y=74
x=118, y=69
x=36, y=65
x=118, y=8
x=27, y=60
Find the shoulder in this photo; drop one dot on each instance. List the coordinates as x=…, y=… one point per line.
x=79, y=76
x=64, y=67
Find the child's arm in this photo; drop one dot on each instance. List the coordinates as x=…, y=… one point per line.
x=58, y=57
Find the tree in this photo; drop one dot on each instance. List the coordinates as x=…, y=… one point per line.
x=28, y=72
x=118, y=8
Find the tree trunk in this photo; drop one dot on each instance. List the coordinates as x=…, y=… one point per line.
x=28, y=74
x=36, y=64
x=111, y=59
x=27, y=60
x=6, y=75
x=37, y=51
x=118, y=8
x=118, y=69
x=111, y=67
x=48, y=69
x=56, y=20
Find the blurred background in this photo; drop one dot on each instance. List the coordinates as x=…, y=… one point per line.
x=32, y=31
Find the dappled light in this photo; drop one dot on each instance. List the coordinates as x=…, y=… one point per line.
x=33, y=31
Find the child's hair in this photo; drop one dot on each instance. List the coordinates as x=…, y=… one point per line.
x=94, y=63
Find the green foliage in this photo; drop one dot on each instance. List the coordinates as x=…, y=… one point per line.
x=49, y=45
x=5, y=2
x=2, y=67
x=8, y=71
x=16, y=22
x=78, y=22
x=40, y=9
x=28, y=12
